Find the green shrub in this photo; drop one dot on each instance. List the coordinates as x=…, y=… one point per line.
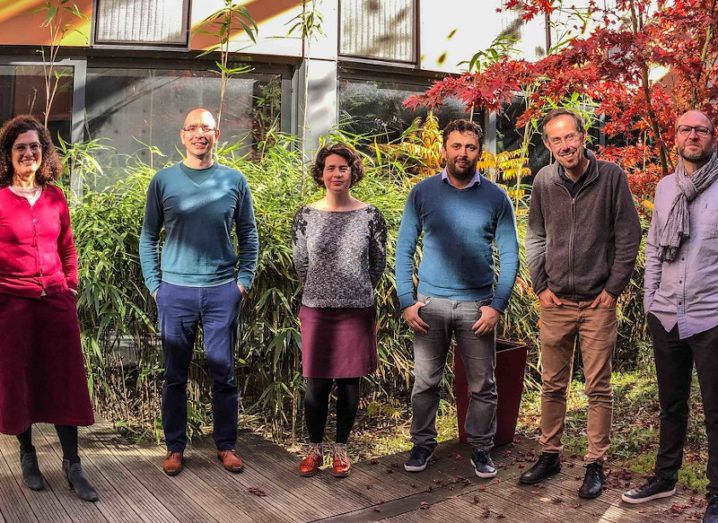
x=118, y=317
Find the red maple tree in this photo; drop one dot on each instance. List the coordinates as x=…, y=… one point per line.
x=612, y=65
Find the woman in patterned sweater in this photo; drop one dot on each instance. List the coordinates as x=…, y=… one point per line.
x=339, y=248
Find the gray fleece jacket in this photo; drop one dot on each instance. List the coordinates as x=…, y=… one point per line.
x=579, y=246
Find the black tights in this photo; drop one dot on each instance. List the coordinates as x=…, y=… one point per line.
x=67, y=434
x=316, y=405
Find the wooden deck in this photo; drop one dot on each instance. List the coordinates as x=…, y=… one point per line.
x=132, y=487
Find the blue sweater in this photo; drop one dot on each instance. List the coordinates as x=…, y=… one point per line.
x=459, y=229
x=198, y=209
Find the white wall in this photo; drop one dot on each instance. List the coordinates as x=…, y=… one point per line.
x=452, y=31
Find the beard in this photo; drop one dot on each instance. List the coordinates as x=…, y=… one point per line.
x=700, y=156
x=463, y=172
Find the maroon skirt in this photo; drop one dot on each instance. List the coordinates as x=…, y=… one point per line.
x=338, y=343
x=42, y=371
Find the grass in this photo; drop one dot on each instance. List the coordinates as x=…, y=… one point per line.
x=635, y=432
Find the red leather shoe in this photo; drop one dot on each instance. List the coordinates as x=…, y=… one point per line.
x=230, y=460
x=172, y=465
x=309, y=466
x=341, y=466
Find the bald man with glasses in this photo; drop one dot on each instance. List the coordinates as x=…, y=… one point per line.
x=200, y=277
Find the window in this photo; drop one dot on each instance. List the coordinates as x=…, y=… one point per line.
x=376, y=106
x=132, y=109
x=23, y=88
x=379, y=29
x=152, y=22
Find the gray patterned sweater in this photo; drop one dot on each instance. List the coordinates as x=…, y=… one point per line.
x=339, y=256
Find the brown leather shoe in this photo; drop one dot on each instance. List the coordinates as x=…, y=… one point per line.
x=341, y=466
x=172, y=465
x=309, y=466
x=230, y=460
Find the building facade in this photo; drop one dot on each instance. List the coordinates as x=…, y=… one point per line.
x=127, y=70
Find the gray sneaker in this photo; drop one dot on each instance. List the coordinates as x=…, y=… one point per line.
x=483, y=466
x=418, y=459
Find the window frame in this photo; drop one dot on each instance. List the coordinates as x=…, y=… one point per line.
x=141, y=44
x=416, y=40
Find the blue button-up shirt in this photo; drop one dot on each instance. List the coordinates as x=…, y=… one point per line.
x=684, y=291
x=475, y=180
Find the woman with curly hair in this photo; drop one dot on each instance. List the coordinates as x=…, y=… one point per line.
x=339, y=248
x=42, y=374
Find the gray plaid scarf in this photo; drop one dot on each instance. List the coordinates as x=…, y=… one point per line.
x=677, y=226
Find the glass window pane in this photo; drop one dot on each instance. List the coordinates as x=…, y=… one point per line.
x=381, y=29
x=134, y=108
x=376, y=107
x=23, y=88
x=142, y=21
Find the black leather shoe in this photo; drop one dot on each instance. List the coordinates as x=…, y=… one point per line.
x=711, y=514
x=548, y=464
x=78, y=481
x=593, y=481
x=31, y=471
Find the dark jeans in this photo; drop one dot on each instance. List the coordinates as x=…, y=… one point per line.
x=674, y=368
x=447, y=319
x=181, y=309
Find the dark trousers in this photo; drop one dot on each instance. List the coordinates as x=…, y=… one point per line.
x=181, y=309
x=674, y=367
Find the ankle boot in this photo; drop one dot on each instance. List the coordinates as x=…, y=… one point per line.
x=548, y=464
x=31, y=471
x=78, y=481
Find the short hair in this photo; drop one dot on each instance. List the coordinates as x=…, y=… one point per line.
x=340, y=149
x=561, y=111
x=50, y=168
x=463, y=126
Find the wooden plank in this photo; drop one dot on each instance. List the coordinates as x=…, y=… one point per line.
x=241, y=490
x=488, y=508
x=44, y=504
x=185, y=501
x=310, y=498
x=51, y=467
x=92, y=446
x=112, y=505
x=13, y=505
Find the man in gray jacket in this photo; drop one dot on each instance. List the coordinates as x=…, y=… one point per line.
x=581, y=245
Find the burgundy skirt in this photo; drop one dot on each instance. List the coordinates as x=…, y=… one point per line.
x=338, y=343
x=42, y=371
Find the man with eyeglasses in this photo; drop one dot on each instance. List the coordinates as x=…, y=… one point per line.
x=581, y=245
x=199, y=278
x=681, y=301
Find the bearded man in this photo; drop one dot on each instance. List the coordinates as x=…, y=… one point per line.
x=681, y=301
x=461, y=216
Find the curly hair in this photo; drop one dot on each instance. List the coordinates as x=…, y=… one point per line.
x=50, y=166
x=346, y=152
x=463, y=126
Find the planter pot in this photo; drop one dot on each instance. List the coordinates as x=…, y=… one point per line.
x=510, y=365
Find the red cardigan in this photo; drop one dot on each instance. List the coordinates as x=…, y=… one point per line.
x=36, y=249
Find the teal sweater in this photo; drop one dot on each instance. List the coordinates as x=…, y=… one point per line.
x=198, y=209
x=460, y=227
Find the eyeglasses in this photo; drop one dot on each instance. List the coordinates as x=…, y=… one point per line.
x=685, y=130
x=201, y=129
x=568, y=139
x=22, y=147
